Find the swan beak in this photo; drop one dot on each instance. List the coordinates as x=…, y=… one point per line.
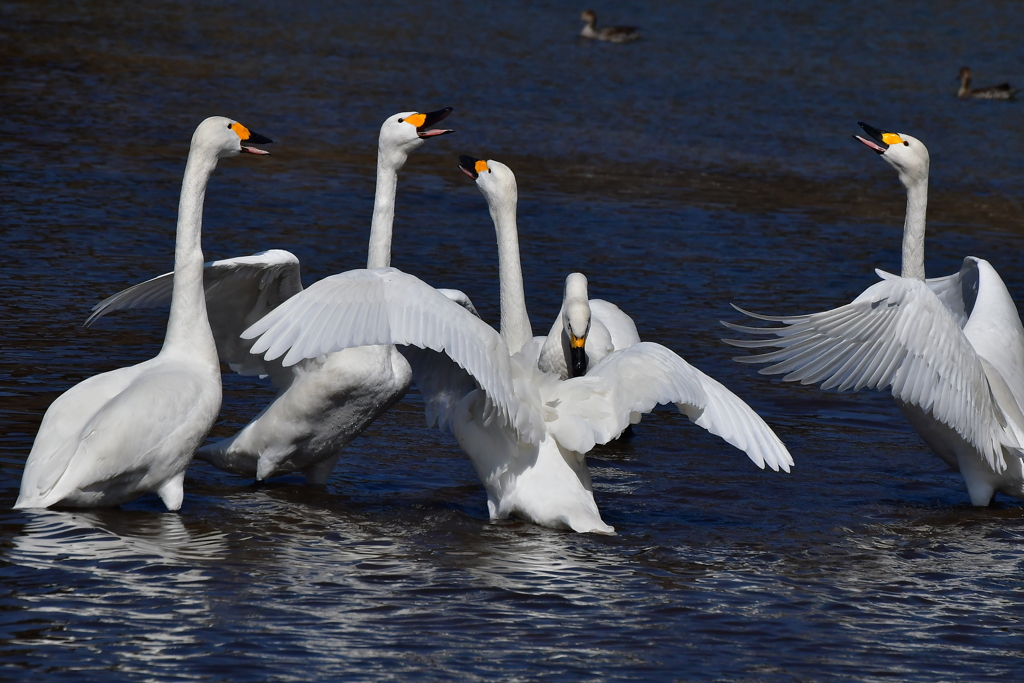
x=577, y=355
x=472, y=167
x=424, y=121
x=883, y=138
x=246, y=135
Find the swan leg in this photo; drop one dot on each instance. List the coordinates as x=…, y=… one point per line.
x=318, y=473
x=982, y=493
x=172, y=492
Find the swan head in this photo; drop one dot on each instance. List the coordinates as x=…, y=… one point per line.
x=576, y=321
x=495, y=180
x=406, y=131
x=225, y=137
x=905, y=153
x=588, y=16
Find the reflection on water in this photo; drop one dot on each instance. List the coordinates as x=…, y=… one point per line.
x=709, y=163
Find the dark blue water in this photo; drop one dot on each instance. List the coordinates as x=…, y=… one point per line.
x=708, y=163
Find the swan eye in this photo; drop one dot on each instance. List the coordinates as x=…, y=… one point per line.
x=401, y=120
x=906, y=144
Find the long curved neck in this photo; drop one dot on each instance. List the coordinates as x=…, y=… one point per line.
x=913, y=229
x=188, y=328
x=515, y=321
x=383, y=212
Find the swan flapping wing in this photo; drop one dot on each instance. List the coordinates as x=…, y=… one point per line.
x=956, y=292
x=897, y=333
x=440, y=379
x=596, y=408
x=387, y=306
x=239, y=291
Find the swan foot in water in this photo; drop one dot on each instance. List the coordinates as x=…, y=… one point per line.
x=318, y=474
x=172, y=492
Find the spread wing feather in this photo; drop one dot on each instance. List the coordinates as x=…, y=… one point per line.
x=899, y=333
x=387, y=306
x=636, y=379
x=239, y=291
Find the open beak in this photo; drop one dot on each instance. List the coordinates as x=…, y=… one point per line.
x=577, y=355
x=256, y=139
x=882, y=138
x=430, y=119
x=470, y=166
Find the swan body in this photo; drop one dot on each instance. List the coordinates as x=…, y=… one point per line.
x=1003, y=91
x=123, y=433
x=525, y=430
x=611, y=34
x=323, y=402
x=585, y=331
x=950, y=348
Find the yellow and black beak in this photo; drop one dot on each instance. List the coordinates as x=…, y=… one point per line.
x=472, y=167
x=883, y=138
x=246, y=135
x=425, y=121
x=577, y=355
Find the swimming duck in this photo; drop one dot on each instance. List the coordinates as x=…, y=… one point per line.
x=1003, y=91
x=612, y=34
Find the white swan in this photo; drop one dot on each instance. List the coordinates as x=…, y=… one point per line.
x=325, y=402
x=585, y=331
x=952, y=348
x=120, y=434
x=526, y=431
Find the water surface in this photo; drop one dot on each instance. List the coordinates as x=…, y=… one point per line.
x=709, y=163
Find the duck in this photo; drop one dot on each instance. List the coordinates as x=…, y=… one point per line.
x=324, y=402
x=526, y=431
x=130, y=431
x=611, y=34
x=950, y=349
x=1003, y=91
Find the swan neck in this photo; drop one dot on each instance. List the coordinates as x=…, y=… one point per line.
x=383, y=211
x=515, y=321
x=913, y=229
x=188, y=327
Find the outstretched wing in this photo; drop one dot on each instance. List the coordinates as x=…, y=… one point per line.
x=441, y=381
x=387, y=306
x=897, y=333
x=239, y=291
x=634, y=380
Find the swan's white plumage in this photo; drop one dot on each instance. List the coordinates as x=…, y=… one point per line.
x=239, y=291
x=525, y=430
x=119, y=434
x=610, y=330
x=387, y=306
x=951, y=349
x=897, y=333
x=324, y=402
